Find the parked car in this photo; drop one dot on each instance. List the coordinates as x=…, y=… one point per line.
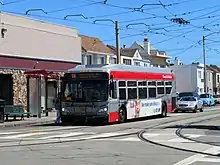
x=207, y=99
x=217, y=99
x=184, y=94
x=189, y=103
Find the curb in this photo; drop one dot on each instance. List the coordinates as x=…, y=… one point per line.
x=26, y=124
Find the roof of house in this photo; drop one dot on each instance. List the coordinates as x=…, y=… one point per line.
x=142, y=45
x=128, y=52
x=213, y=68
x=94, y=44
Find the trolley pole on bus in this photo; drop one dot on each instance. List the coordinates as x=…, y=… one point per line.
x=117, y=38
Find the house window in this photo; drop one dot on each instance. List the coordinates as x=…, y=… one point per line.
x=127, y=61
x=217, y=78
x=137, y=63
x=200, y=74
x=113, y=60
x=87, y=60
x=146, y=65
x=102, y=60
x=209, y=77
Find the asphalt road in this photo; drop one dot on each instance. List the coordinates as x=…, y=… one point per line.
x=179, y=139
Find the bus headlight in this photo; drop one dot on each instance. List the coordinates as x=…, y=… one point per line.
x=103, y=109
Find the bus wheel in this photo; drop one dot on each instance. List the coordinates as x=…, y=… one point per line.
x=122, y=115
x=164, y=110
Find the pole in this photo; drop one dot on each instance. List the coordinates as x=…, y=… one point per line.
x=117, y=42
x=39, y=95
x=204, y=58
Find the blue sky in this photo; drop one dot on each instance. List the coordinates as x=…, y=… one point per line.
x=183, y=41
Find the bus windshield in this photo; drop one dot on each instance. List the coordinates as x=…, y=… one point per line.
x=86, y=90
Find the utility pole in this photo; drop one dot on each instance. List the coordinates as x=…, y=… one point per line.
x=117, y=42
x=204, y=60
x=117, y=38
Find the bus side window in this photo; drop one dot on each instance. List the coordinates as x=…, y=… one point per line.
x=152, y=92
x=122, y=93
x=160, y=90
x=132, y=93
x=142, y=92
x=113, y=88
x=168, y=86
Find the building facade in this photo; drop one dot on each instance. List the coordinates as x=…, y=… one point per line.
x=94, y=51
x=157, y=58
x=190, y=77
x=216, y=78
x=131, y=56
x=32, y=44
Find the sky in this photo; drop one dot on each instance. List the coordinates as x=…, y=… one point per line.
x=153, y=20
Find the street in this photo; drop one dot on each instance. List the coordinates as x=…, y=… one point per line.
x=179, y=139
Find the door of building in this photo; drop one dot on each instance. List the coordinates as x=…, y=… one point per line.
x=6, y=88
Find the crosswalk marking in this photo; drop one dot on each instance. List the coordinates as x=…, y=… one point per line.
x=179, y=140
x=193, y=135
x=8, y=133
x=209, y=160
x=23, y=135
x=151, y=134
x=129, y=139
x=65, y=135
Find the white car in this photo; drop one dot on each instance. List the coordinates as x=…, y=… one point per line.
x=189, y=103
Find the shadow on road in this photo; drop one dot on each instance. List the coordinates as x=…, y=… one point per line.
x=95, y=124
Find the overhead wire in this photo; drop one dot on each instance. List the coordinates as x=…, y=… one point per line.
x=122, y=21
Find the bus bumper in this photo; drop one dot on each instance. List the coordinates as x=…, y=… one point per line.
x=84, y=118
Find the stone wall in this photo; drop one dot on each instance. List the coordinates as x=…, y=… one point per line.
x=19, y=85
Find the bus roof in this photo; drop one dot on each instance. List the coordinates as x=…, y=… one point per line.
x=119, y=67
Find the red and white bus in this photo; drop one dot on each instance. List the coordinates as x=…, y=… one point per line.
x=115, y=92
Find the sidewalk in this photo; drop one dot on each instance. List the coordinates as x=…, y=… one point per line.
x=50, y=119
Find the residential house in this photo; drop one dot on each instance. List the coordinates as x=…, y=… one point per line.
x=131, y=56
x=158, y=58
x=94, y=51
x=209, y=79
x=29, y=43
x=216, y=78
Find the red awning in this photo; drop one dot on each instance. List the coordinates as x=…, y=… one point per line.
x=44, y=73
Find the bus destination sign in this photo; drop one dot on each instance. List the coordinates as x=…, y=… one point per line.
x=91, y=75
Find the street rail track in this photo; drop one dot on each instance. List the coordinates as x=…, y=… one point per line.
x=138, y=133
x=178, y=133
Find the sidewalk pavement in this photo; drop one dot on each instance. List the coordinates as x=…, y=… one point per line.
x=32, y=121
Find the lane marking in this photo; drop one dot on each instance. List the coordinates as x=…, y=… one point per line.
x=195, y=158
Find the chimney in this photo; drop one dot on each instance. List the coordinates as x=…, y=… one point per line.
x=124, y=46
x=177, y=61
x=147, y=46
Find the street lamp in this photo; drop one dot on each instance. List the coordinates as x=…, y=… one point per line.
x=116, y=35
